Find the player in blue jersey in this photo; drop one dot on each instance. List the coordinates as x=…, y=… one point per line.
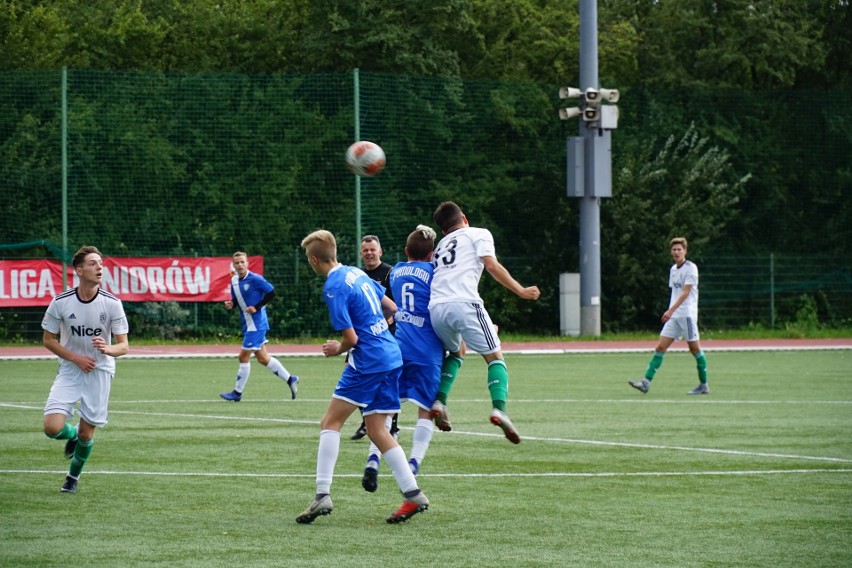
x=378, y=270
x=680, y=320
x=422, y=350
x=251, y=292
x=79, y=327
x=358, y=308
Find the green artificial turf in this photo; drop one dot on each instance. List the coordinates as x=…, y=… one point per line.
x=757, y=473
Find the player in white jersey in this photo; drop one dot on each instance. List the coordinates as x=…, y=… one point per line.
x=680, y=320
x=458, y=315
x=79, y=327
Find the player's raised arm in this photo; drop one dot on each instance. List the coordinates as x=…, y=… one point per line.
x=501, y=274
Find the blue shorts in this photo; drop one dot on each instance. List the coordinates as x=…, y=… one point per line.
x=419, y=383
x=254, y=340
x=374, y=393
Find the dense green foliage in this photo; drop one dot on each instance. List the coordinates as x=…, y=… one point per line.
x=751, y=44
x=189, y=117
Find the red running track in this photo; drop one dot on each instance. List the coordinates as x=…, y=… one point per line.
x=231, y=350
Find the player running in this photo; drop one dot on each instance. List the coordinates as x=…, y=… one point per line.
x=358, y=308
x=250, y=292
x=79, y=326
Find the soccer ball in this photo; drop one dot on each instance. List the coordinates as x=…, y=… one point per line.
x=365, y=159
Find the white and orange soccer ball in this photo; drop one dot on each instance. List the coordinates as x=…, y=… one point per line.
x=365, y=159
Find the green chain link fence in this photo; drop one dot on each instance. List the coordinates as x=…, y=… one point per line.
x=183, y=165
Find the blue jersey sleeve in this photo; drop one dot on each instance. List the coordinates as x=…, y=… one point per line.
x=354, y=301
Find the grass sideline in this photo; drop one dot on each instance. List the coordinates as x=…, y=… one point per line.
x=758, y=473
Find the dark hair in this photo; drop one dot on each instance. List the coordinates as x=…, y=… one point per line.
x=80, y=255
x=420, y=242
x=371, y=238
x=447, y=215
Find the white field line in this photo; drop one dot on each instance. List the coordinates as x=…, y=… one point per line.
x=50, y=356
x=632, y=400
x=659, y=447
x=316, y=352
x=751, y=472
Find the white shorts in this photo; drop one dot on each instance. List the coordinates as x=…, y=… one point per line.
x=90, y=389
x=681, y=328
x=468, y=321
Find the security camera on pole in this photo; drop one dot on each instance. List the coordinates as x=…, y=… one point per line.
x=589, y=166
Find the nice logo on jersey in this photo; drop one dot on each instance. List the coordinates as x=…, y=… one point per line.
x=83, y=331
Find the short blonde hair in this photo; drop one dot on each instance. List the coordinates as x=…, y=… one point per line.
x=322, y=245
x=678, y=241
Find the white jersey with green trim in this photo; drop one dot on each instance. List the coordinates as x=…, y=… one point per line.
x=78, y=322
x=458, y=265
x=686, y=273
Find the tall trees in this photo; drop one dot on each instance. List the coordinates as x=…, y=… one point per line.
x=244, y=96
x=679, y=186
x=750, y=44
x=415, y=37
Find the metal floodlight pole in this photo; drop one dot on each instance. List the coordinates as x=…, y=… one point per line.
x=589, y=164
x=590, y=230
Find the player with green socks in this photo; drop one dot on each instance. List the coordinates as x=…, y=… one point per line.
x=449, y=371
x=79, y=327
x=459, y=316
x=680, y=320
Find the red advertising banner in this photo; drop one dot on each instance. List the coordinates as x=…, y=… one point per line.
x=29, y=282
x=184, y=279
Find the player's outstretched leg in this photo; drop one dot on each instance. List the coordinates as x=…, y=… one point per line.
x=441, y=416
x=499, y=419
